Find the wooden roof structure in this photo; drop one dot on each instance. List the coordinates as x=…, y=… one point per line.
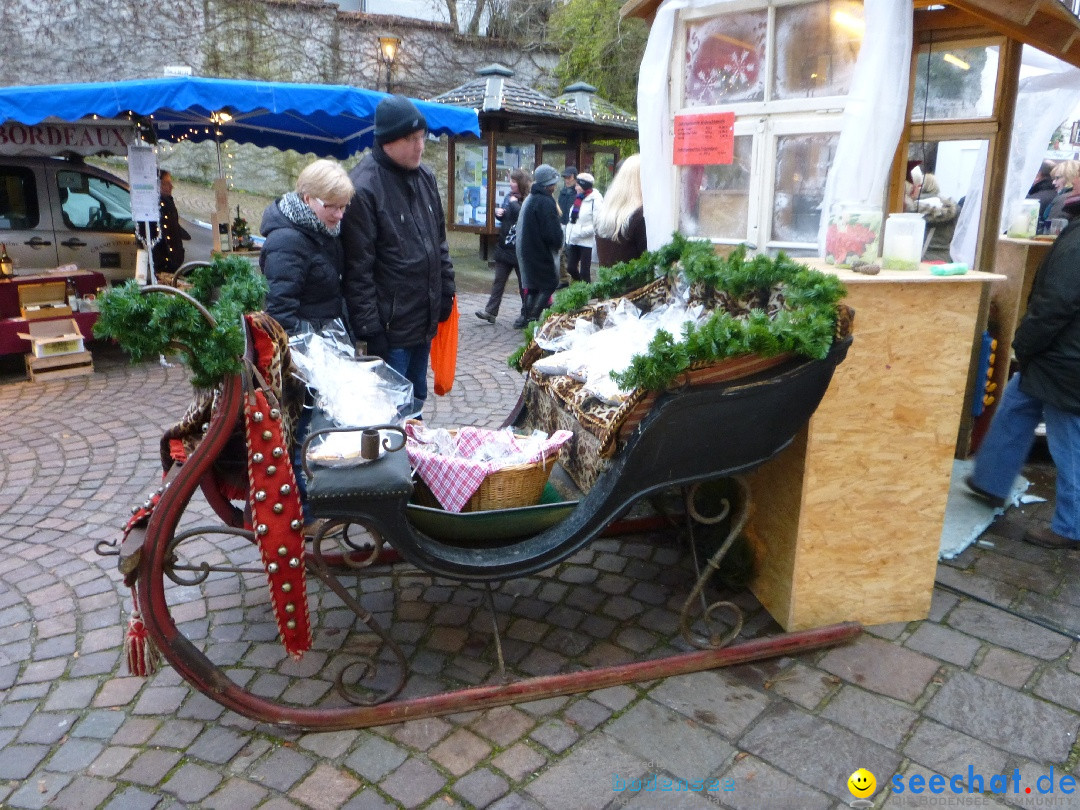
x=1052, y=26
x=506, y=105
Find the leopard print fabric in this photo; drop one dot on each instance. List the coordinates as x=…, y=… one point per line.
x=181, y=439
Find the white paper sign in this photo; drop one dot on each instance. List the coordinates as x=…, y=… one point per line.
x=142, y=178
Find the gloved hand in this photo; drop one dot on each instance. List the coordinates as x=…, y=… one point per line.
x=377, y=344
x=446, y=308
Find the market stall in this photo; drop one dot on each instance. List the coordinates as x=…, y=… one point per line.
x=759, y=122
x=521, y=128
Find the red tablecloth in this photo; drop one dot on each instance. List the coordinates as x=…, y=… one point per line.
x=86, y=283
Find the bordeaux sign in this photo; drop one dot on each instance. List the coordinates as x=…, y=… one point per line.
x=64, y=138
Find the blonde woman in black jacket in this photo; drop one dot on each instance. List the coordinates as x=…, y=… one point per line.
x=302, y=257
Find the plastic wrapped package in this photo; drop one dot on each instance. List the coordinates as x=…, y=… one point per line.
x=353, y=392
x=590, y=355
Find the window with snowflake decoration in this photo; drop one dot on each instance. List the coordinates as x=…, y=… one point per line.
x=725, y=59
x=784, y=68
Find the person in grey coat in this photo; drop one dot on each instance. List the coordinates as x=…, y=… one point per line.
x=302, y=257
x=539, y=237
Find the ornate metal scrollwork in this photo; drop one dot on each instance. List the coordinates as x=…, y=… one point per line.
x=716, y=638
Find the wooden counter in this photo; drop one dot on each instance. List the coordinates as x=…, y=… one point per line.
x=846, y=522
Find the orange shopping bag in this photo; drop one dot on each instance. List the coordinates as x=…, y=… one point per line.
x=444, y=352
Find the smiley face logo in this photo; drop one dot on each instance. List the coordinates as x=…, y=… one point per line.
x=861, y=784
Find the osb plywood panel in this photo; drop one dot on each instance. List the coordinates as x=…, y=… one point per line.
x=876, y=466
x=1017, y=260
x=776, y=491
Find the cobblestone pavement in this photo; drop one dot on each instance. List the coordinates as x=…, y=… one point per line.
x=974, y=689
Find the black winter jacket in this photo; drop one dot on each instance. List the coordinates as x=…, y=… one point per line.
x=539, y=237
x=398, y=280
x=1047, y=342
x=303, y=268
x=503, y=253
x=567, y=195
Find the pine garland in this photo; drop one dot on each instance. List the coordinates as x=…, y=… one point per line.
x=146, y=326
x=805, y=325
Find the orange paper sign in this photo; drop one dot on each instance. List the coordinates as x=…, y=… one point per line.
x=704, y=140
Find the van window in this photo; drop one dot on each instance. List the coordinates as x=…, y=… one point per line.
x=18, y=198
x=94, y=204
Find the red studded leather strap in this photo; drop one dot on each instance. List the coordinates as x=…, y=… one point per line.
x=277, y=516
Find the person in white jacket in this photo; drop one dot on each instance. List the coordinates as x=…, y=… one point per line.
x=581, y=229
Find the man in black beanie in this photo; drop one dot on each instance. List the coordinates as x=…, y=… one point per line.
x=398, y=280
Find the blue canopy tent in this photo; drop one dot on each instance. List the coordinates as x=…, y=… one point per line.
x=327, y=120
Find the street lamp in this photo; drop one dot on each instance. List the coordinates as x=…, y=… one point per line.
x=388, y=50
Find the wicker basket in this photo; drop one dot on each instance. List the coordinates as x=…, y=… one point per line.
x=510, y=487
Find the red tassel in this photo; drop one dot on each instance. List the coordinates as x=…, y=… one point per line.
x=143, y=656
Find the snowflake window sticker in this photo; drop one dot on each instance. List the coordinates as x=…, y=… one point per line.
x=724, y=59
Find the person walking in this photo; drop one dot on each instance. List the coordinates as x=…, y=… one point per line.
x=1046, y=389
x=505, y=255
x=581, y=230
x=539, y=237
x=620, y=223
x=398, y=280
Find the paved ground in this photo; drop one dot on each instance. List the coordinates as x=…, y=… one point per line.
x=983, y=687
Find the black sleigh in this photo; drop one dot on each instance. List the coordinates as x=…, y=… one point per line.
x=211, y=593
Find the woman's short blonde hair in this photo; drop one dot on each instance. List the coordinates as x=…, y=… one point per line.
x=326, y=180
x=1067, y=170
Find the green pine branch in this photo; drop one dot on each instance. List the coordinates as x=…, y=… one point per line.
x=804, y=324
x=148, y=325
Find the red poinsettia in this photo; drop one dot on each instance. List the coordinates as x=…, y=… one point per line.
x=846, y=242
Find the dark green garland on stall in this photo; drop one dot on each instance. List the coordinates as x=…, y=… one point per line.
x=805, y=326
x=148, y=325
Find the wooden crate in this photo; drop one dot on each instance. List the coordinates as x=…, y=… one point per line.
x=58, y=367
x=45, y=300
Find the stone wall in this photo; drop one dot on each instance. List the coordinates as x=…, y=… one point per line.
x=285, y=40
x=279, y=40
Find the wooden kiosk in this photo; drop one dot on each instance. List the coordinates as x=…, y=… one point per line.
x=846, y=523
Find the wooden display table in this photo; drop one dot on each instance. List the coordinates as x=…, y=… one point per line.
x=846, y=523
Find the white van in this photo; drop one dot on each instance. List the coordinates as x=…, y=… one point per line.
x=56, y=211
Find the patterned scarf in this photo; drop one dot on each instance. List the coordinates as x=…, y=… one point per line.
x=577, y=207
x=299, y=212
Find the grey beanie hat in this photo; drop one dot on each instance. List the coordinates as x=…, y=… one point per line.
x=396, y=117
x=545, y=175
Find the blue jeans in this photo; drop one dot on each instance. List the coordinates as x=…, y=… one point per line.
x=411, y=362
x=1008, y=443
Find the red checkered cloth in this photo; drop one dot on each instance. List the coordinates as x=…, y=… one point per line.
x=454, y=479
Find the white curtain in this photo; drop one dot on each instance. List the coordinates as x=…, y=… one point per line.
x=654, y=123
x=874, y=113
x=1042, y=103
x=873, y=118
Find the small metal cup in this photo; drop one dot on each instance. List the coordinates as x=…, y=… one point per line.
x=369, y=444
